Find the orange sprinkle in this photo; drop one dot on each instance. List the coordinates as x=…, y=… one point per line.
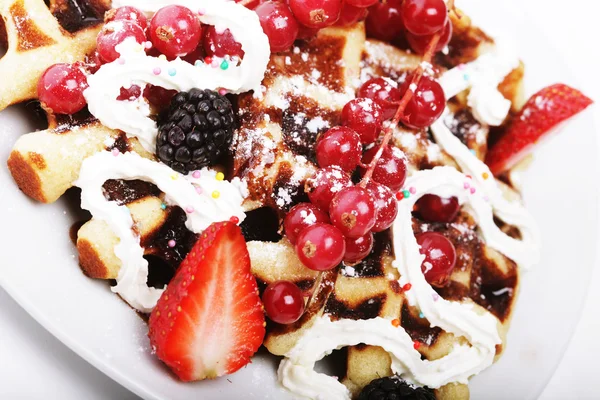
x=416, y=344
x=407, y=287
x=396, y=322
x=485, y=175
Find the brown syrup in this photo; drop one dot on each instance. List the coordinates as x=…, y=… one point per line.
x=418, y=328
x=127, y=191
x=368, y=309
x=74, y=15
x=64, y=123
x=262, y=225
x=372, y=265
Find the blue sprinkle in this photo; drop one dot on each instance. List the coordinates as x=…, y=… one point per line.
x=163, y=206
x=473, y=152
x=466, y=77
x=172, y=71
x=198, y=63
x=421, y=315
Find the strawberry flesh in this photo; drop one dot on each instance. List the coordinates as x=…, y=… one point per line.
x=543, y=111
x=209, y=321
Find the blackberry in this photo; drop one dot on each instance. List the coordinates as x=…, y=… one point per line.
x=394, y=388
x=197, y=130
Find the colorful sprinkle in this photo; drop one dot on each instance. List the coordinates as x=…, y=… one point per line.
x=461, y=67
x=220, y=176
x=467, y=185
x=189, y=209
x=115, y=152
x=396, y=322
x=121, y=61
x=201, y=11
x=216, y=194
x=172, y=71
x=435, y=297
x=162, y=57
x=199, y=190
x=215, y=63
x=163, y=206
x=222, y=92
x=412, y=190
x=224, y=65
x=156, y=71
x=174, y=177
x=421, y=315
x=473, y=190
x=473, y=152
x=485, y=175
x=399, y=196
x=208, y=60
x=148, y=44
x=196, y=174
x=406, y=194
x=416, y=344
x=234, y=220
x=198, y=63
x=407, y=287
x=171, y=243
x=466, y=77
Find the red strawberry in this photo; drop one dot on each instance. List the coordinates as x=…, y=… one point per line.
x=543, y=111
x=210, y=320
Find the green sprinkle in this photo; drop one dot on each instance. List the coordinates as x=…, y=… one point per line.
x=163, y=206
x=466, y=77
x=172, y=71
x=198, y=63
x=406, y=194
x=224, y=65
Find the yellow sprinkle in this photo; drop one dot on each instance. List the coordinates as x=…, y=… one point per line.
x=220, y=176
x=485, y=175
x=216, y=194
x=174, y=177
x=162, y=57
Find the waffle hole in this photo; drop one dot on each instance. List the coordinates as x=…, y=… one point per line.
x=160, y=272
x=75, y=15
x=3, y=38
x=334, y=364
x=510, y=230
x=261, y=224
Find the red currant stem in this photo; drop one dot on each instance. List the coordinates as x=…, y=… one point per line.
x=453, y=9
x=416, y=78
x=315, y=290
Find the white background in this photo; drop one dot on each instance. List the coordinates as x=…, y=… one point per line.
x=34, y=365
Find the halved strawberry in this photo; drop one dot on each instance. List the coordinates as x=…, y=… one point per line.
x=543, y=112
x=210, y=320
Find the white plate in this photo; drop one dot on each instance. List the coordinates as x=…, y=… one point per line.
x=39, y=265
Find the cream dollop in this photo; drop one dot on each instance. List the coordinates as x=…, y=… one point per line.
x=204, y=198
x=464, y=319
x=135, y=67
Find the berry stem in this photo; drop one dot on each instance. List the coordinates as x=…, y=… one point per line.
x=388, y=131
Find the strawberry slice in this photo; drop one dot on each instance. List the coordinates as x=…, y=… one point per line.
x=544, y=111
x=210, y=320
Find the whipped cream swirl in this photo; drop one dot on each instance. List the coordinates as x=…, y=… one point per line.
x=135, y=67
x=204, y=198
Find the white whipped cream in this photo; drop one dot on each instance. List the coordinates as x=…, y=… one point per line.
x=204, y=198
x=135, y=67
x=297, y=373
x=483, y=77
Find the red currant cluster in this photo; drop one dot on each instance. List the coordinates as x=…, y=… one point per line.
x=417, y=20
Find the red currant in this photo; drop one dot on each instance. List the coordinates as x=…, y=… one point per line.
x=61, y=88
x=339, y=146
x=358, y=249
x=127, y=13
x=131, y=93
x=321, y=247
x=316, y=13
x=325, y=184
x=385, y=204
x=279, y=25
x=175, y=31
x=361, y=3
x=419, y=43
x=434, y=208
x=384, y=21
x=351, y=15
x=221, y=44
x=306, y=33
x=424, y=17
x=426, y=105
x=383, y=93
x=440, y=257
x=158, y=96
x=365, y=117
x=114, y=33
x=390, y=169
x=284, y=302
x=302, y=216
x=353, y=211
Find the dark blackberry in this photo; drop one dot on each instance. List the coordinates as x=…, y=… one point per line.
x=197, y=130
x=394, y=388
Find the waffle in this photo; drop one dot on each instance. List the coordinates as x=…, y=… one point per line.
x=38, y=36
x=304, y=92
